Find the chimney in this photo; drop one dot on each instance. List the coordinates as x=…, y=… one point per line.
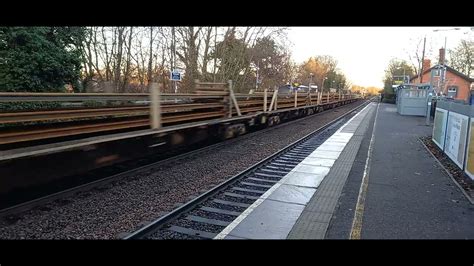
x=426, y=64
x=442, y=53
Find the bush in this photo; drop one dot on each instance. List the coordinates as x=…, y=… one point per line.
x=28, y=106
x=388, y=98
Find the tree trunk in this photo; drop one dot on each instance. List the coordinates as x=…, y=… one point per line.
x=118, y=62
x=107, y=60
x=126, y=77
x=150, y=60
x=205, y=57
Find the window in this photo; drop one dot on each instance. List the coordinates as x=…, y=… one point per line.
x=452, y=91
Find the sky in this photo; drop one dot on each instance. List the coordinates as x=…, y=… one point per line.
x=363, y=53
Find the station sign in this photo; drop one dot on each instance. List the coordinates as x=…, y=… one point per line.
x=175, y=75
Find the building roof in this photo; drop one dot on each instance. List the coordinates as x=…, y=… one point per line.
x=450, y=69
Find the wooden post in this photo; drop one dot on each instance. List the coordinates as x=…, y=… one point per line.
x=265, y=100
x=155, y=110
x=232, y=96
x=296, y=98
x=329, y=95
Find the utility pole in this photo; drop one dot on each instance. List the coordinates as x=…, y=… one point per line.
x=172, y=49
x=322, y=83
x=422, y=60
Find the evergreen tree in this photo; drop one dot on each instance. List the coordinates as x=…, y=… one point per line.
x=39, y=59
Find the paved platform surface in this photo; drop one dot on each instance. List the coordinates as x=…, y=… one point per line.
x=275, y=213
x=315, y=218
x=408, y=195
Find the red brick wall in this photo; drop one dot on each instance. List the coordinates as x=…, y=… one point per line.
x=463, y=85
x=451, y=80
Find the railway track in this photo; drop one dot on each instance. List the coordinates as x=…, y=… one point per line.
x=132, y=168
x=207, y=215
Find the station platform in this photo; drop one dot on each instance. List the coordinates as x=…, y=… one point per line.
x=371, y=179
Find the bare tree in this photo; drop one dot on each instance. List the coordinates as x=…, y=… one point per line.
x=108, y=55
x=132, y=57
x=462, y=57
x=205, y=56
x=416, y=55
x=215, y=57
x=118, y=58
x=126, y=74
x=150, y=59
x=188, y=53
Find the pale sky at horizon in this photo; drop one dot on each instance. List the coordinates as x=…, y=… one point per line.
x=363, y=53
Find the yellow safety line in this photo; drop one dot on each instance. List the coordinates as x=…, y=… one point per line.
x=359, y=211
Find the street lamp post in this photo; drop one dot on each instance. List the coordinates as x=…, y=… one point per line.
x=445, y=37
x=404, y=76
x=322, y=84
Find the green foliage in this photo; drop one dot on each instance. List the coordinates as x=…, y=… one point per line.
x=335, y=80
x=388, y=98
x=395, y=68
x=39, y=59
x=324, y=70
x=272, y=61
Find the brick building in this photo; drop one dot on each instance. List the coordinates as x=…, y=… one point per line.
x=444, y=79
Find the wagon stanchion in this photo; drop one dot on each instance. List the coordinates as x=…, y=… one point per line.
x=276, y=99
x=265, y=100
x=234, y=100
x=273, y=102
x=296, y=98
x=155, y=110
